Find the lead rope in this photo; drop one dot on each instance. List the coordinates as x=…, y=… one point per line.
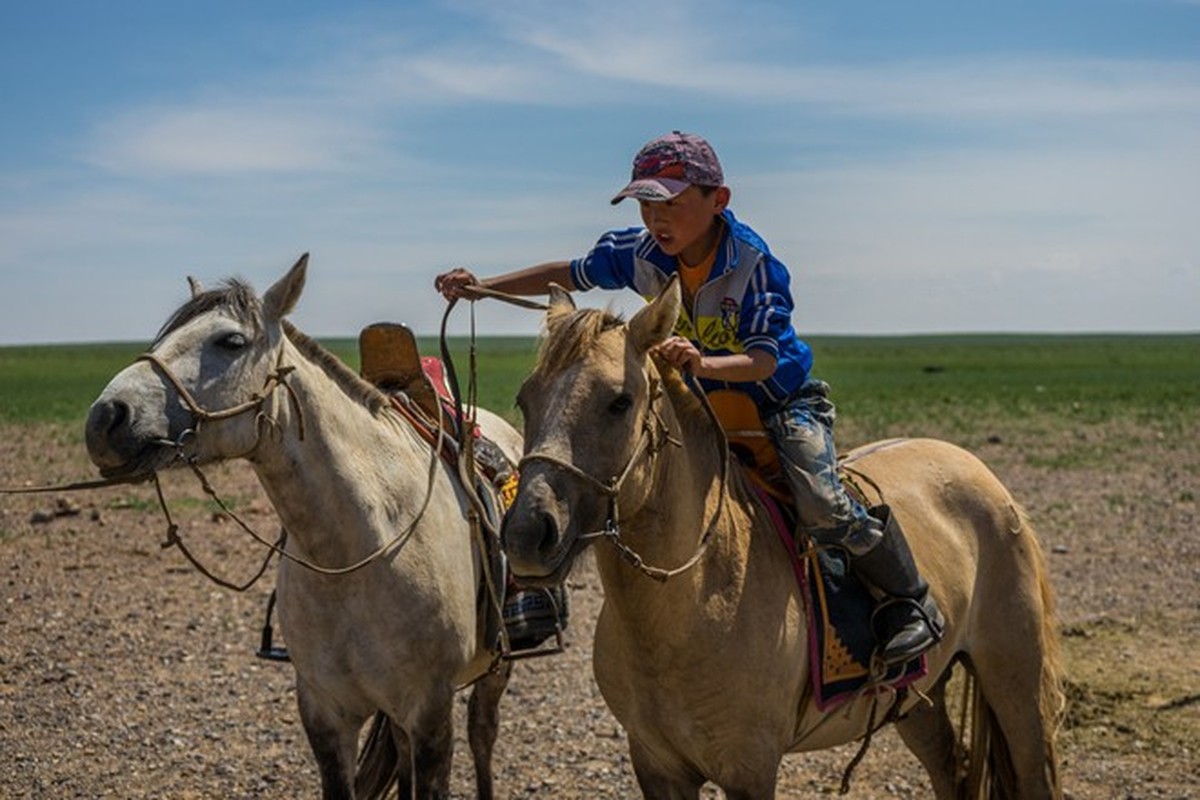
x=173, y=540
x=76, y=486
x=477, y=514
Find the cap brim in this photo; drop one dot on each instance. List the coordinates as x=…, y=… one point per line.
x=652, y=189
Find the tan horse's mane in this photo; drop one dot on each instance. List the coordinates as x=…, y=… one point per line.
x=239, y=299
x=571, y=334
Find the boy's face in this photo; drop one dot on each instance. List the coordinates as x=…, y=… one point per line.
x=683, y=226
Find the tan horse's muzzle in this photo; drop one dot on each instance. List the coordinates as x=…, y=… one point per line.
x=534, y=533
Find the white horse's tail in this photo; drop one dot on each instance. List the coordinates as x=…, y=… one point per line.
x=379, y=764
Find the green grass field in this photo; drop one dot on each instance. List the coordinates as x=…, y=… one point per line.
x=883, y=386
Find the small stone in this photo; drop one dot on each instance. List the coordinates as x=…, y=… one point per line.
x=66, y=507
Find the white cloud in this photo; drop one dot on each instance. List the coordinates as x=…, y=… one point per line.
x=699, y=47
x=326, y=115
x=246, y=135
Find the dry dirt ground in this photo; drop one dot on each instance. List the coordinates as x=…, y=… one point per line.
x=124, y=673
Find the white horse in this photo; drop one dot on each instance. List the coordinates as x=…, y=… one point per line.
x=228, y=378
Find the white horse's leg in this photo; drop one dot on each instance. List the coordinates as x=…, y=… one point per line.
x=928, y=733
x=483, y=723
x=333, y=737
x=656, y=782
x=432, y=738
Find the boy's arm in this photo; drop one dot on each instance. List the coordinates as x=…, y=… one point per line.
x=533, y=280
x=747, y=367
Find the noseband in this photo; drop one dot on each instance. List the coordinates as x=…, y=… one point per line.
x=276, y=378
x=655, y=433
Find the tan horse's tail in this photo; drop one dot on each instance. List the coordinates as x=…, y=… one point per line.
x=991, y=772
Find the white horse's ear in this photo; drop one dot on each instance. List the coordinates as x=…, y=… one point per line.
x=195, y=286
x=281, y=298
x=561, y=301
x=654, y=323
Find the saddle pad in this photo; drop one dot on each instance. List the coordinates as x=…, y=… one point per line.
x=838, y=608
x=435, y=371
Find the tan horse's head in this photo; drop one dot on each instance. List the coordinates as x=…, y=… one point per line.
x=592, y=417
x=215, y=353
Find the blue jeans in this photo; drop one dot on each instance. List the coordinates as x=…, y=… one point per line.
x=803, y=435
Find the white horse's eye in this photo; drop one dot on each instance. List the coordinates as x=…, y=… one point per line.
x=232, y=341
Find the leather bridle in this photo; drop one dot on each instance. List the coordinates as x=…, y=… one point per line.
x=655, y=434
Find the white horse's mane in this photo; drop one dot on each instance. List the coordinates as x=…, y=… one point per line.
x=238, y=298
x=348, y=380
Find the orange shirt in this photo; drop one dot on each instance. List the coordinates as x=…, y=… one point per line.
x=691, y=277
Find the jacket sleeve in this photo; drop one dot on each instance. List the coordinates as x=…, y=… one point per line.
x=609, y=265
x=767, y=307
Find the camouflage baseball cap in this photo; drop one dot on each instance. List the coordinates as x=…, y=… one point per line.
x=669, y=164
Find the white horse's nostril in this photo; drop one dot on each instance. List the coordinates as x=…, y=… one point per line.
x=108, y=427
x=117, y=416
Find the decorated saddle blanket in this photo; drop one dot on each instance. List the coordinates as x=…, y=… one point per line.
x=838, y=606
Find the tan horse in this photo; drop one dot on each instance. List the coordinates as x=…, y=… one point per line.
x=708, y=669
x=348, y=478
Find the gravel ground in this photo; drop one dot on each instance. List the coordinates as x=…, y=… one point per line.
x=124, y=673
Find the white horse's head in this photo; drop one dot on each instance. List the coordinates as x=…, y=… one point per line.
x=592, y=426
x=216, y=353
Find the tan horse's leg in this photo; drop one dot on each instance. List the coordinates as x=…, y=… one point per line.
x=928, y=733
x=656, y=782
x=1013, y=648
x=1011, y=684
x=680, y=782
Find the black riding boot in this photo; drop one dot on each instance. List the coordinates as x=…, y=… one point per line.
x=907, y=621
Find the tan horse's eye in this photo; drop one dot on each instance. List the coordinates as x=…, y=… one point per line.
x=622, y=404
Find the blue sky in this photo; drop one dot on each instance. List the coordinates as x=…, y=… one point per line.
x=920, y=166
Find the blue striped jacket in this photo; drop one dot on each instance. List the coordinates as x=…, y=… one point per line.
x=745, y=304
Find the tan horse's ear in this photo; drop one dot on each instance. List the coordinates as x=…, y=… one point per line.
x=281, y=298
x=561, y=302
x=195, y=286
x=655, y=322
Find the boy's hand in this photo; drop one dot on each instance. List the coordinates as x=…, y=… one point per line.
x=456, y=283
x=680, y=353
